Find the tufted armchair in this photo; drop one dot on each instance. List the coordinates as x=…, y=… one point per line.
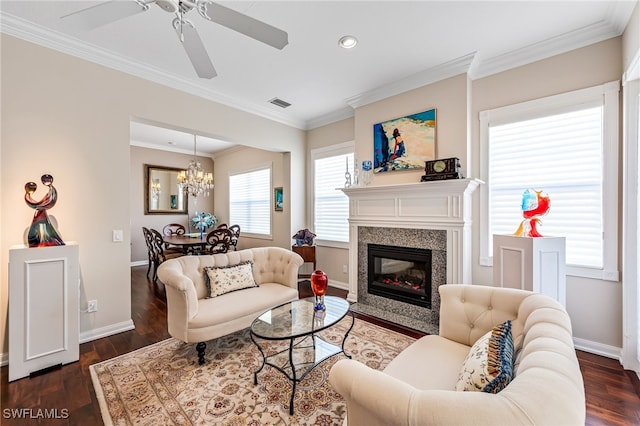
x=192, y=317
x=418, y=386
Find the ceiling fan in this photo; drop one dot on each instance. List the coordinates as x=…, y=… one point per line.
x=114, y=10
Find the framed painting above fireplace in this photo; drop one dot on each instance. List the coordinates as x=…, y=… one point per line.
x=404, y=143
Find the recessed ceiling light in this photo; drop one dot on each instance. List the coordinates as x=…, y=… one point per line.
x=348, y=42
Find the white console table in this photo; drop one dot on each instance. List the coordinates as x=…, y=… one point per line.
x=531, y=263
x=43, y=308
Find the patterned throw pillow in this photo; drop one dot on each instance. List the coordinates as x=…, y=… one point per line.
x=225, y=279
x=489, y=365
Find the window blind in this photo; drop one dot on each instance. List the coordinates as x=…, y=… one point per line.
x=561, y=154
x=331, y=206
x=250, y=201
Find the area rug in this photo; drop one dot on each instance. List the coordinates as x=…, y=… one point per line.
x=162, y=384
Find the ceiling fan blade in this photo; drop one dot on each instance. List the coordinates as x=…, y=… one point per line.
x=245, y=24
x=103, y=13
x=195, y=49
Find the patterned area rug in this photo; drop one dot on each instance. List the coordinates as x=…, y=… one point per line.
x=163, y=384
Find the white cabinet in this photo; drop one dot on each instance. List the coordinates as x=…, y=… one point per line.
x=531, y=263
x=43, y=308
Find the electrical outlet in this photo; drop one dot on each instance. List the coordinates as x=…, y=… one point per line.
x=345, y=268
x=92, y=306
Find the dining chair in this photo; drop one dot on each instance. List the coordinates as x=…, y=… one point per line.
x=160, y=254
x=148, y=239
x=235, y=229
x=173, y=229
x=220, y=240
x=222, y=226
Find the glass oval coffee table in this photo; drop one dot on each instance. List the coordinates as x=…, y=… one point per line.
x=298, y=323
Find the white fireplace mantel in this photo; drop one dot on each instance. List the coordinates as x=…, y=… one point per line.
x=439, y=205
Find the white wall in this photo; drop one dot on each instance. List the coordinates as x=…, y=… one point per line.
x=70, y=118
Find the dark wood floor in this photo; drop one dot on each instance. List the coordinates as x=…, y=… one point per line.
x=612, y=393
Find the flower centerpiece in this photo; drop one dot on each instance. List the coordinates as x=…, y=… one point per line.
x=204, y=220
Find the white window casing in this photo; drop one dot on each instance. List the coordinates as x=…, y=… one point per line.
x=330, y=206
x=567, y=146
x=250, y=200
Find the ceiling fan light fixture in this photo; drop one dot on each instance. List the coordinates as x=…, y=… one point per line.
x=111, y=11
x=347, y=42
x=170, y=6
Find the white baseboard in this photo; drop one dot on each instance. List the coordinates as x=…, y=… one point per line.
x=139, y=263
x=89, y=335
x=339, y=284
x=99, y=333
x=598, y=348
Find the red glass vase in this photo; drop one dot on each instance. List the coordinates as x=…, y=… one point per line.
x=319, y=287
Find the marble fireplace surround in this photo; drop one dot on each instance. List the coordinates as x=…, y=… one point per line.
x=432, y=215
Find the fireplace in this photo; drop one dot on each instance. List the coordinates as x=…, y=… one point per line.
x=434, y=216
x=400, y=273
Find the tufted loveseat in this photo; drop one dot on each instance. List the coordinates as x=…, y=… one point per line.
x=418, y=386
x=192, y=317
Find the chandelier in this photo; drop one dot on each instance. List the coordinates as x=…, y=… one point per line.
x=194, y=181
x=156, y=189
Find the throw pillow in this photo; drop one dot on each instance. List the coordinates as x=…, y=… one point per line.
x=488, y=366
x=225, y=279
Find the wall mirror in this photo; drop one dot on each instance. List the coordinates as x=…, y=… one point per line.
x=161, y=193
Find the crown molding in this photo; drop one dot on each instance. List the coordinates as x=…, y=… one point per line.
x=167, y=148
x=37, y=34
x=614, y=25
x=472, y=64
x=619, y=14
x=332, y=117
x=446, y=70
x=230, y=150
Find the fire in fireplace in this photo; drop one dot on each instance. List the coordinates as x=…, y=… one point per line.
x=400, y=273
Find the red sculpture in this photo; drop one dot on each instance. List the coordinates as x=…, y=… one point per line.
x=534, y=204
x=319, y=282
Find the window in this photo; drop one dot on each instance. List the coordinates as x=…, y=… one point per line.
x=567, y=146
x=330, y=205
x=250, y=201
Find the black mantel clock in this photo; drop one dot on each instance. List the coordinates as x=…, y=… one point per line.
x=441, y=169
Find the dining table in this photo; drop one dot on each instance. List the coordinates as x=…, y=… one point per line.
x=190, y=243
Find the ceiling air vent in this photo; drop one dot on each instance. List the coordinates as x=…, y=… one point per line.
x=280, y=103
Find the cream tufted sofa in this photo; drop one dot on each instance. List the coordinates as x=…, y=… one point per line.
x=417, y=387
x=194, y=318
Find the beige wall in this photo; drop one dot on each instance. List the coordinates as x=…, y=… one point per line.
x=449, y=97
x=73, y=122
x=242, y=159
x=140, y=157
x=581, y=68
x=328, y=259
x=458, y=101
x=70, y=118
